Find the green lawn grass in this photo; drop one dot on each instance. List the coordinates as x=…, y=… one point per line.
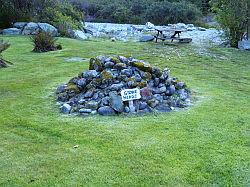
x=207, y=144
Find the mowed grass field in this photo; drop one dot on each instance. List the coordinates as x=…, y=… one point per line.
x=204, y=145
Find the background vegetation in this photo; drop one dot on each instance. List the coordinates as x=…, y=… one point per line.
x=140, y=12
x=59, y=13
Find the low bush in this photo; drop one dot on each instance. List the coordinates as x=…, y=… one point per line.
x=233, y=16
x=63, y=16
x=44, y=42
x=3, y=46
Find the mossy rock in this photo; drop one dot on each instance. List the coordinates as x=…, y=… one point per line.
x=105, y=75
x=156, y=71
x=143, y=66
x=96, y=64
x=73, y=87
x=142, y=84
x=120, y=66
x=147, y=76
x=115, y=60
x=132, y=82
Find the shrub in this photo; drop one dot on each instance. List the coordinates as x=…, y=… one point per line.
x=44, y=42
x=3, y=47
x=63, y=16
x=232, y=16
x=166, y=12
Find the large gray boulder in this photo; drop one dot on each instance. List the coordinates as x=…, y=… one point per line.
x=146, y=38
x=11, y=31
x=150, y=25
x=19, y=25
x=244, y=45
x=80, y=35
x=30, y=29
x=48, y=28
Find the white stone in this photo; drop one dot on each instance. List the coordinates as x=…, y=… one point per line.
x=11, y=31
x=150, y=25
x=244, y=45
x=80, y=35
x=48, y=28
x=30, y=29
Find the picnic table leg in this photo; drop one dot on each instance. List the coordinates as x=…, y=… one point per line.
x=158, y=33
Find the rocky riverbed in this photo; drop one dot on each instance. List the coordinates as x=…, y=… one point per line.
x=98, y=90
x=125, y=32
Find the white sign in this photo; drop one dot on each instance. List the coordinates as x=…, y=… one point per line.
x=130, y=94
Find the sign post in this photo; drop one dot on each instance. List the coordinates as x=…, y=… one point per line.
x=130, y=95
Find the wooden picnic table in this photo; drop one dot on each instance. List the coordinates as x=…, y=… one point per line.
x=160, y=35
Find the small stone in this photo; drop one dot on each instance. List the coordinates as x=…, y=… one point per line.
x=66, y=108
x=127, y=109
x=116, y=102
x=85, y=110
x=109, y=65
x=123, y=59
x=127, y=72
x=146, y=75
x=105, y=101
x=95, y=96
x=201, y=29
x=142, y=105
x=158, y=97
x=93, y=105
x=89, y=94
x=106, y=111
x=116, y=87
x=81, y=83
x=153, y=103
x=141, y=65
x=120, y=66
x=170, y=90
x=145, y=111
x=76, y=146
x=96, y=64
x=163, y=108
x=156, y=72
x=138, y=78
x=182, y=94
x=61, y=89
x=146, y=93
x=156, y=81
x=90, y=74
x=180, y=85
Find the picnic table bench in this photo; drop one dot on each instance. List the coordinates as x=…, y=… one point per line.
x=176, y=36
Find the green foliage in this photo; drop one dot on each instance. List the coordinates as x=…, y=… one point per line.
x=3, y=46
x=63, y=16
x=44, y=42
x=166, y=12
x=134, y=11
x=14, y=10
x=232, y=16
x=55, y=12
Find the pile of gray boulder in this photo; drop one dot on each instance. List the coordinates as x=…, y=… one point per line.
x=23, y=28
x=98, y=90
x=31, y=28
